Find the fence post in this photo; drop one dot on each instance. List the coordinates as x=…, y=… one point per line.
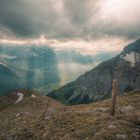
x=114, y=94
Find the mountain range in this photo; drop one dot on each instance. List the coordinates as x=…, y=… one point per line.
x=42, y=68
x=96, y=84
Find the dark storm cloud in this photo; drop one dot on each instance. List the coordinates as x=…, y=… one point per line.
x=13, y=16
x=79, y=12
x=25, y=17
x=68, y=19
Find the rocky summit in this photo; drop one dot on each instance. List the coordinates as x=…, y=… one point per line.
x=96, y=84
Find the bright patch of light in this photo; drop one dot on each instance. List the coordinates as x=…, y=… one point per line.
x=120, y=11
x=106, y=44
x=70, y=71
x=113, y=9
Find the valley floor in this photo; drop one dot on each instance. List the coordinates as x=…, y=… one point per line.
x=39, y=119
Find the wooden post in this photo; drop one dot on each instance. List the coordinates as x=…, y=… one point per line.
x=114, y=94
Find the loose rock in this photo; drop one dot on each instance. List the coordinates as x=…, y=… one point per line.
x=126, y=109
x=121, y=136
x=101, y=109
x=111, y=127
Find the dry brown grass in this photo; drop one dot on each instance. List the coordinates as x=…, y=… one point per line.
x=39, y=121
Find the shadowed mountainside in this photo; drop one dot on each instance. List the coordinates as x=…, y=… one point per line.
x=96, y=84
x=8, y=79
x=34, y=66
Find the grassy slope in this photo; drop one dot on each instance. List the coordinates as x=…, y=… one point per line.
x=38, y=121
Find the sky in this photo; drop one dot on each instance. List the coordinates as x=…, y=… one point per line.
x=89, y=26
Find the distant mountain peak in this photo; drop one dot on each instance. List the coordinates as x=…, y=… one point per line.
x=131, y=53
x=133, y=47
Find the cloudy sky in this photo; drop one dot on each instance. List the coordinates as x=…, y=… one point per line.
x=90, y=26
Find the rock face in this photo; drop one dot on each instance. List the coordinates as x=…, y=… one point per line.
x=8, y=80
x=96, y=84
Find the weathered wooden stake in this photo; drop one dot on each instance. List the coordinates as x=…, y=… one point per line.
x=114, y=94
